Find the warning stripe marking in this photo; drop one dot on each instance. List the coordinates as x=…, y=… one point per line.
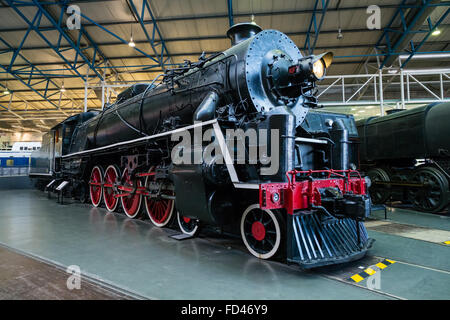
x=369, y=271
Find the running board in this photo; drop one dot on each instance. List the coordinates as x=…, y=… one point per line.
x=313, y=242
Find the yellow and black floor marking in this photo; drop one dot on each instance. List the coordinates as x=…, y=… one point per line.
x=369, y=271
x=447, y=242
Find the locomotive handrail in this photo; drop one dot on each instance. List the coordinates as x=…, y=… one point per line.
x=319, y=141
x=162, y=134
x=330, y=172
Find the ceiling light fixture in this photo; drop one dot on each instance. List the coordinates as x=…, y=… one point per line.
x=436, y=32
x=131, y=43
x=62, y=89
x=6, y=91
x=340, y=36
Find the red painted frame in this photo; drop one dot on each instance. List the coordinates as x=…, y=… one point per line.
x=301, y=195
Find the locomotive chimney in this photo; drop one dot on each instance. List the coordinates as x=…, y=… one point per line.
x=242, y=31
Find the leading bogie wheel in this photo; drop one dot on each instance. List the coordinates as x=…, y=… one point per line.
x=112, y=175
x=96, y=185
x=131, y=203
x=262, y=231
x=159, y=210
x=188, y=225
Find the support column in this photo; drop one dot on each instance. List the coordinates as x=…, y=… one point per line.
x=103, y=94
x=381, y=92
x=85, y=95
x=402, y=89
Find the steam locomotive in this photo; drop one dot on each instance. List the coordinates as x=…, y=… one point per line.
x=407, y=156
x=305, y=206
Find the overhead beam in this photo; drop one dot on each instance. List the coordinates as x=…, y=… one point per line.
x=87, y=37
x=223, y=37
x=314, y=25
x=230, y=13
x=414, y=48
x=411, y=19
x=159, y=49
x=223, y=16
x=55, y=26
x=118, y=37
x=200, y=38
x=30, y=82
x=152, y=68
x=80, y=51
x=8, y=108
x=30, y=101
x=62, y=33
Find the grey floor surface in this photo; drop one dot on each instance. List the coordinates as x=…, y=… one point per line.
x=143, y=260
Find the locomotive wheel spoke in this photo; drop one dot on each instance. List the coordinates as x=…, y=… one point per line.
x=432, y=196
x=111, y=176
x=131, y=203
x=159, y=211
x=96, y=185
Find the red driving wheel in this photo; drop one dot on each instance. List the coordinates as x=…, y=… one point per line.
x=96, y=186
x=159, y=211
x=111, y=176
x=131, y=203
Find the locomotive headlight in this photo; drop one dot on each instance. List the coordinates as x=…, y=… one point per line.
x=321, y=63
x=310, y=68
x=319, y=69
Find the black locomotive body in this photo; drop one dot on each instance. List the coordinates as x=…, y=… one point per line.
x=183, y=146
x=407, y=156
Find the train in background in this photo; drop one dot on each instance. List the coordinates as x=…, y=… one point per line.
x=310, y=211
x=18, y=156
x=407, y=156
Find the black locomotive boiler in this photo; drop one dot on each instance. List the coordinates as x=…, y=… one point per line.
x=307, y=209
x=407, y=156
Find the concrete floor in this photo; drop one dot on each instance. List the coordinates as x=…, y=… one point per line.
x=24, y=278
x=143, y=260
